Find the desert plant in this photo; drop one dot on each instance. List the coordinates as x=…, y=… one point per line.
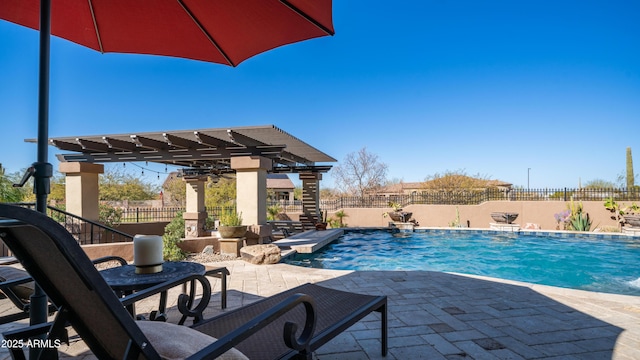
x=340, y=215
x=323, y=216
x=563, y=217
x=273, y=211
x=395, y=206
x=630, y=177
x=230, y=217
x=578, y=219
x=456, y=221
x=581, y=222
x=618, y=211
x=173, y=233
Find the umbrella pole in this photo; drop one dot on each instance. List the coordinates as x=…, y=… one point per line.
x=43, y=169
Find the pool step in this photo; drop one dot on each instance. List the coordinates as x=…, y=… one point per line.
x=308, y=241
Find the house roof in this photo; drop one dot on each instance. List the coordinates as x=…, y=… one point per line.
x=279, y=181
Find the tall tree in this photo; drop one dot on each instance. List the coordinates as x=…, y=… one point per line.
x=360, y=173
x=630, y=177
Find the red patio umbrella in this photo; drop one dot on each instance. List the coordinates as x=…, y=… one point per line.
x=220, y=31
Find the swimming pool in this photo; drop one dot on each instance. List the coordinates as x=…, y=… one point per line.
x=604, y=263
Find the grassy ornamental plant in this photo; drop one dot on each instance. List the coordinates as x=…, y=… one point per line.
x=230, y=217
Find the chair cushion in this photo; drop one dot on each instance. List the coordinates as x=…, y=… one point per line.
x=23, y=291
x=173, y=341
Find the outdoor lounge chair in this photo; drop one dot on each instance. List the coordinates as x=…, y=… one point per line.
x=17, y=285
x=267, y=329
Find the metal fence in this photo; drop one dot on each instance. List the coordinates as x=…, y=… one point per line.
x=453, y=197
x=147, y=214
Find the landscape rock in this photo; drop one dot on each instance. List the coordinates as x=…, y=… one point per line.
x=208, y=250
x=261, y=254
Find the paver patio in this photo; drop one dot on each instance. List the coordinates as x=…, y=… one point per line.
x=442, y=316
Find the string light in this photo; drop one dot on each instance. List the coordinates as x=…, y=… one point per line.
x=143, y=169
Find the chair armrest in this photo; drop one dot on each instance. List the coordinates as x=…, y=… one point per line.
x=300, y=344
x=11, y=283
x=105, y=259
x=8, y=260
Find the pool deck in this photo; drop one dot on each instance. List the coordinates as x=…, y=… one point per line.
x=440, y=316
x=436, y=315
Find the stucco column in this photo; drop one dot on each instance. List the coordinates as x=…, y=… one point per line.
x=310, y=196
x=196, y=213
x=251, y=188
x=81, y=188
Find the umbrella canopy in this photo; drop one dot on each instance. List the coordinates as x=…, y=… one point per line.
x=220, y=31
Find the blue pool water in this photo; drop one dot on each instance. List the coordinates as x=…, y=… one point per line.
x=587, y=263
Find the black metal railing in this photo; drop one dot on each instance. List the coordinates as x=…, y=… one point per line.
x=146, y=214
x=475, y=197
x=83, y=230
x=138, y=215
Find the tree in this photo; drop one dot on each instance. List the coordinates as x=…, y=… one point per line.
x=116, y=184
x=327, y=193
x=360, y=173
x=174, y=190
x=630, y=177
x=456, y=180
x=58, y=190
x=220, y=192
x=599, y=184
x=8, y=193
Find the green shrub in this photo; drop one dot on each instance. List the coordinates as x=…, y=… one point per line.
x=173, y=233
x=109, y=215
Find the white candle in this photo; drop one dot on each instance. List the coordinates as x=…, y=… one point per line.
x=147, y=253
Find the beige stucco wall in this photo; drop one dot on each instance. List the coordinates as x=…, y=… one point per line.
x=478, y=216
x=146, y=228
x=124, y=250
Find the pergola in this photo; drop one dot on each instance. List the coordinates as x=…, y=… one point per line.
x=251, y=152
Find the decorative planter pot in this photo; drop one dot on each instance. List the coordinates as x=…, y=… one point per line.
x=400, y=216
x=632, y=220
x=504, y=217
x=228, y=232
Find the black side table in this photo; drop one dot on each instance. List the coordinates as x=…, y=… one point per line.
x=124, y=281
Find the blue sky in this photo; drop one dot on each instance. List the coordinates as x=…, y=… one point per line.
x=487, y=87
